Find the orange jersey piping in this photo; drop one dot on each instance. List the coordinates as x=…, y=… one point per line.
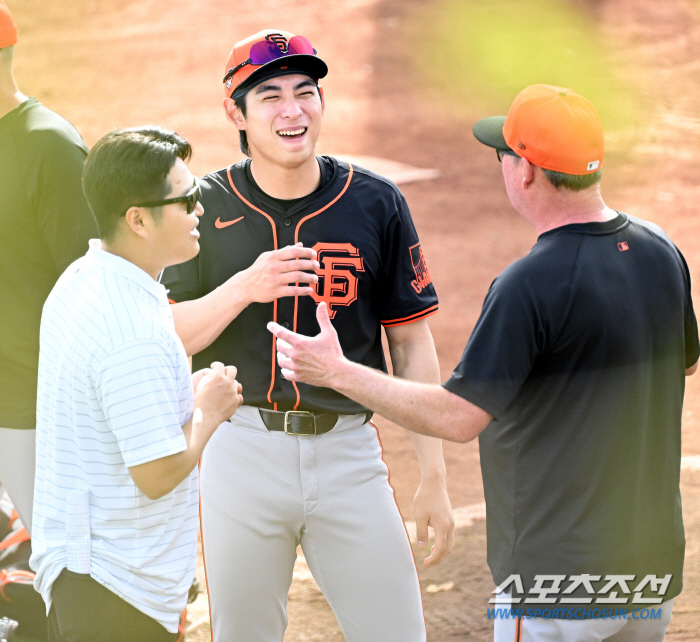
x=274, y=303
x=408, y=536
x=296, y=240
x=413, y=317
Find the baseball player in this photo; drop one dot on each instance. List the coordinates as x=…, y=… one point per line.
x=282, y=232
x=45, y=225
x=580, y=354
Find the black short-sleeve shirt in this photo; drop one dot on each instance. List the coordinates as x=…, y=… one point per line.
x=580, y=355
x=45, y=225
x=372, y=273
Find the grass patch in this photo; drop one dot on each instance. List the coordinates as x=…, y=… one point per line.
x=482, y=53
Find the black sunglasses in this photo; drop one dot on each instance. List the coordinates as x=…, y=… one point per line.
x=504, y=152
x=190, y=199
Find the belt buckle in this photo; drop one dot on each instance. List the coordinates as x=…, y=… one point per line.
x=299, y=413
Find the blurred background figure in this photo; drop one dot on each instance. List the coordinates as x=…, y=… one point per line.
x=45, y=224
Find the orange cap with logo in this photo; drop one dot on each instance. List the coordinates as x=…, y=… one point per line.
x=266, y=54
x=553, y=127
x=8, y=29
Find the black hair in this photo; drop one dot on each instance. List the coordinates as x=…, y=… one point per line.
x=130, y=166
x=242, y=136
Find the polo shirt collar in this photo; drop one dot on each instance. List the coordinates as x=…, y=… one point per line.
x=125, y=268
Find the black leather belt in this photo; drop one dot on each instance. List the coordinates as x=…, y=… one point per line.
x=298, y=422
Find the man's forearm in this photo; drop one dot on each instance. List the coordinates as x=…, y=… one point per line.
x=427, y=409
x=198, y=323
x=430, y=457
x=424, y=408
x=160, y=476
x=275, y=274
x=414, y=358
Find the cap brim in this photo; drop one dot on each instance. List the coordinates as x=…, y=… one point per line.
x=489, y=131
x=297, y=63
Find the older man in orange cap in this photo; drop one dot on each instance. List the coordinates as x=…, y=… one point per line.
x=45, y=224
x=573, y=379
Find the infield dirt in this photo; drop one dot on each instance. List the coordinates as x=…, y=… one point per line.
x=117, y=63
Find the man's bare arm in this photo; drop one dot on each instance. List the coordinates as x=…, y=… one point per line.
x=217, y=396
x=691, y=371
x=427, y=409
x=413, y=357
x=273, y=275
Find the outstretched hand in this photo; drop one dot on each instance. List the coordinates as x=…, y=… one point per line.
x=312, y=360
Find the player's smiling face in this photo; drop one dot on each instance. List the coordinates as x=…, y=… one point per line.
x=283, y=119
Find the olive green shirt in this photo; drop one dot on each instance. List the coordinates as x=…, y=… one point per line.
x=45, y=224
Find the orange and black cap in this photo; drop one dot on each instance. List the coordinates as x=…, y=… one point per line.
x=8, y=29
x=268, y=54
x=553, y=127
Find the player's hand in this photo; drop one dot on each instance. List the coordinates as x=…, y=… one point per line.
x=311, y=360
x=431, y=507
x=197, y=377
x=218, y=393
x=274, y=274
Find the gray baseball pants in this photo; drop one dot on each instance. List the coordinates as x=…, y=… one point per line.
x=263, y=493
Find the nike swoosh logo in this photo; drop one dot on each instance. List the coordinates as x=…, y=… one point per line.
x=220, y=225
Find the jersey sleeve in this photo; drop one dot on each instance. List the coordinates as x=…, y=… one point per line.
x=692, y=342
x=182, y=281
x=63, y=215
x=138, y=391
x=501, y=351
x=407, y=292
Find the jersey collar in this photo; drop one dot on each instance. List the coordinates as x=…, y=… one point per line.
x=612, y=226
x=246, y=184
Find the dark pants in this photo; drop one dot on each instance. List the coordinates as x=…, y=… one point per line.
x=83, y=610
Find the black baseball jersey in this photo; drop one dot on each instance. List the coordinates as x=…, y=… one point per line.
x=580, y=355
x=372, y=273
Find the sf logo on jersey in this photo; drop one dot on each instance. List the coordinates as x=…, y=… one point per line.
x=420, y=268
x=337, y=282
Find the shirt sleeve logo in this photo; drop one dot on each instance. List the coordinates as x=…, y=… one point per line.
x=420, y=268
x=337, y=278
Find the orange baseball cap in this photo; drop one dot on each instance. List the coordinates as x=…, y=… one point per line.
x=8, y=29
x=553, y=127
x=267, y=54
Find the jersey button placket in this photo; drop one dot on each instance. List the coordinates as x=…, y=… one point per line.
x=287, y=222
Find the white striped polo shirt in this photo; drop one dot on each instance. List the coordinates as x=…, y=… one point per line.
x=114, y=391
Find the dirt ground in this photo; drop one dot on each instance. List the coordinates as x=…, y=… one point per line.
x=118, y=63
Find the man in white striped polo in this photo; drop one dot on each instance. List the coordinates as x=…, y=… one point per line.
x=120, y=425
